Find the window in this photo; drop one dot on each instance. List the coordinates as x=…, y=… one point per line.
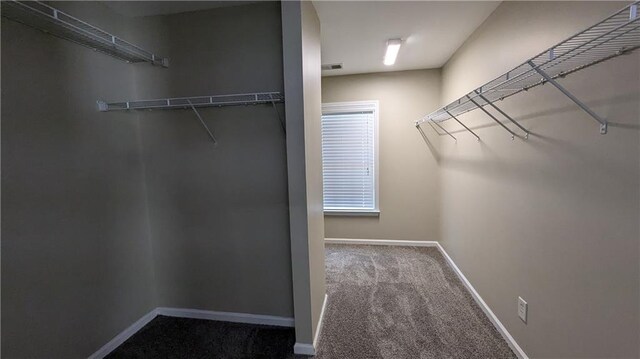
x=350, y=157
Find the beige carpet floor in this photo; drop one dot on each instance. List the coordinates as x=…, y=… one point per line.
x=401, y=302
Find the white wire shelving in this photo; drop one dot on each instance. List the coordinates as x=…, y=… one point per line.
x=50, y=20
x=197, y=101
x=617, y=35
x=192, y=103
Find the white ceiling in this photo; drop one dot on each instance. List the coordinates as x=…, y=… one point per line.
x=152, y=8
x=355, y=32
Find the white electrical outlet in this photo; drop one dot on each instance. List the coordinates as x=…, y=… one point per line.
x=522, y=309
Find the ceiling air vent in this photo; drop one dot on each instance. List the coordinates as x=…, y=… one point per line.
x=332, y=66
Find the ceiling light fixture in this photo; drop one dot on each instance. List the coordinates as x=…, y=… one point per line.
x=393, y=46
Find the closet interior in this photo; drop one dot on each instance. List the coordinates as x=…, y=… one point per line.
x=244, y=179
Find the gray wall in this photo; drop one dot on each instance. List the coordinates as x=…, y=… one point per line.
x=553, y=219
x=219, y=214
x=76, y=260
x=109, y=215
x=409, y=186
x=301, y=36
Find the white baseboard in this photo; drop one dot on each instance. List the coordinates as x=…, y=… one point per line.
x=192, y=314
x=310, y=349
x=320, y=321
x=381, y=242
x=227, y=316
x=304, y=349
x=483, y=305
x=485, y=308
x=123, y=336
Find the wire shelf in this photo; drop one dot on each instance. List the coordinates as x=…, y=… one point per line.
x=617, y=35
x=199, y=101
x=57, y=23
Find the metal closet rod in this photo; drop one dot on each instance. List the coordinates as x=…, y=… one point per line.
x=616, y=35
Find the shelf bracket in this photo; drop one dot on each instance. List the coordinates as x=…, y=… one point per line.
x=462, y=124
x=526, y=136
x=513, y=135
x=447, y=132
x=600, y=120
x=206, y=128
x=275, y=108
x=102, y=106
x=424, y=135
x=434, y=129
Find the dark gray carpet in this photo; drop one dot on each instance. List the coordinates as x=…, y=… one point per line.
x=401, y=302
x=168, y=337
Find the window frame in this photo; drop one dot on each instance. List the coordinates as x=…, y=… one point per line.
x=349, y=107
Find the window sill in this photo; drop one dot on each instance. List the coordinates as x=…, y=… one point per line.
x=352, y=213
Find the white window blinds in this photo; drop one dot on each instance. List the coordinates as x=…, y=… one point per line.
x=348, y=160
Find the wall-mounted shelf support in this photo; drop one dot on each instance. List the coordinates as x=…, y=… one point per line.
x=445, y=131
x=513, y=134
x=616, y=35
x=433, y=127
x=463, y=125
x=206, y=128
x=600, y=120
x=526, y=136
x=275, y=108
x=52, y=21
